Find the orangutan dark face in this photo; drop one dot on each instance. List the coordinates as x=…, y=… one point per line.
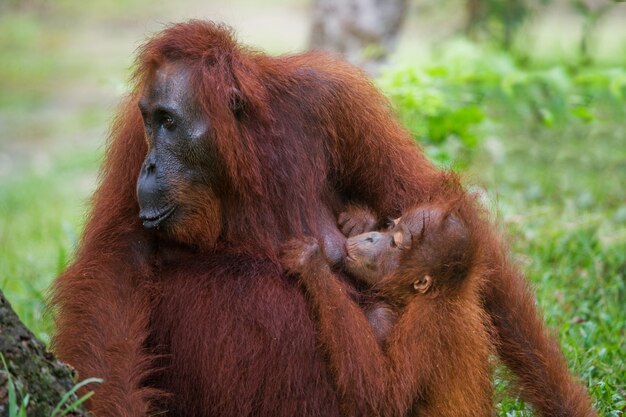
x=177, y=179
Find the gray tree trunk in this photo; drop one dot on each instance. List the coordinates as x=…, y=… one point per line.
x=363, y=31
x=32, y=370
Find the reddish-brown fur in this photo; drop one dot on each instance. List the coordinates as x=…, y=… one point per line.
x=204, y=318
x=435, y=361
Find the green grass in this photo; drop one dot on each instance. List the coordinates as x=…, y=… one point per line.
x=41, y=212
x=560, y=195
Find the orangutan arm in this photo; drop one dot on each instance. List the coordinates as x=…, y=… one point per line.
x=100, y=304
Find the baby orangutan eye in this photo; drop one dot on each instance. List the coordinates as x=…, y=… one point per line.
x=388, y=224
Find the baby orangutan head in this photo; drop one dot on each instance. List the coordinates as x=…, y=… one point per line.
x=426, y=247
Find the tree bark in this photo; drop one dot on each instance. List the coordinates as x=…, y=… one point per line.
x=365, y=32
x=31, y=369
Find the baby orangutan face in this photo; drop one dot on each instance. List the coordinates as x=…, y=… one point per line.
x=374, y=255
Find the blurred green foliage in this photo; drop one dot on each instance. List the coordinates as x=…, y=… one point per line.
x=469, y=90
x=19, y=71
x=42, y=213
x=441, y=116
x=496, y=20
x=499, y=22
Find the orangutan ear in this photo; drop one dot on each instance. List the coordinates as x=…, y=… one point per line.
x=236, y=103
x=423, y=284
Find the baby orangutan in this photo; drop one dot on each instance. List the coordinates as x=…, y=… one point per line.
x=425, y=268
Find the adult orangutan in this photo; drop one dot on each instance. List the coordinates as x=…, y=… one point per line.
x=177, y=298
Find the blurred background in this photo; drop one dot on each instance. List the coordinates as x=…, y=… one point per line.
x=525, y=98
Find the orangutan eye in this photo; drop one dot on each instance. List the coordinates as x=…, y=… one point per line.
x=164, y=119
x=168, y=122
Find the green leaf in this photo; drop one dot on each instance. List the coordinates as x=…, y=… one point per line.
x=71, y=392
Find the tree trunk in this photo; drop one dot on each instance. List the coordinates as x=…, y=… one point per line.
x=32, y=370
x=363, y=31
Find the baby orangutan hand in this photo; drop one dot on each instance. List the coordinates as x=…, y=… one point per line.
x=300, y=255
x=356, y=220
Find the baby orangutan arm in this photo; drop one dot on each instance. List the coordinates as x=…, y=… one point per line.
x=369, y=381
x=381, y=318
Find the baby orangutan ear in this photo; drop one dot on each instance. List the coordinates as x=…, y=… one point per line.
x=422, y=285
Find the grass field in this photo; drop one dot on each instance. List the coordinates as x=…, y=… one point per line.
x=559, y=191
x=562, y=204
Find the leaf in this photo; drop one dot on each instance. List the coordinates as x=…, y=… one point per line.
x=71, y=392
x=582, y=113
